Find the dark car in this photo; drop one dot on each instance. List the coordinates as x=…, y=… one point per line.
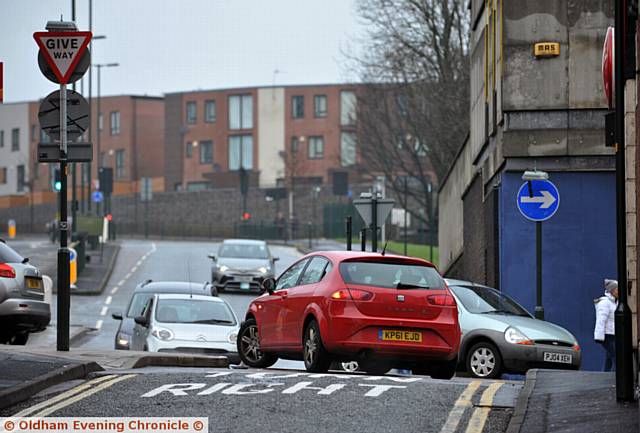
x=22, y=306
x=242, y=265
x=145, y=291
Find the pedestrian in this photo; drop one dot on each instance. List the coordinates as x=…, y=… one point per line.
x=604, y=333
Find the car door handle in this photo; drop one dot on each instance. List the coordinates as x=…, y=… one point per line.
x=284, y=294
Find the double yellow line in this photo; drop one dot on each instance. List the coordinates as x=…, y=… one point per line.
x=479, y=416
x=73, y=395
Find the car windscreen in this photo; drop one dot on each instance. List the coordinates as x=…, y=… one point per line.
x=391, y=275
x=194, y=311
x=8, y=255
x=244, y=251
x=484, y=300
x=137, y=304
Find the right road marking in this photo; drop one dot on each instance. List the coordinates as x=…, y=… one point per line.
x=460, y=405
x=480, y=414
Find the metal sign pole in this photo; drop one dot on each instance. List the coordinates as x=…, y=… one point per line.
x=63, y=253
x=374, y=223
x=539, y=311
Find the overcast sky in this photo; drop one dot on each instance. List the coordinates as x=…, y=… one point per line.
x=165, y=46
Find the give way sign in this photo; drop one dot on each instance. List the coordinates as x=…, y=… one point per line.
x=63, y=51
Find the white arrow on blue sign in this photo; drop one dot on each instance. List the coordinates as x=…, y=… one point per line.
x=540, y=202
x=97, y=196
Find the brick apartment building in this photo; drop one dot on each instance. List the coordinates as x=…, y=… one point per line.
x=276, y=134
x=128, y=135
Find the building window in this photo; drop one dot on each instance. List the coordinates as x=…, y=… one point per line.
x=347, y=108
x=316, y=147
x=347, y=148
x=206, y=152
x=192, y=114
x=20, y=178
x=101, y=163
x=240, y=112
x=120, y=164
x=320, y=105
x=295, y=144
x=210, y=111
x=3, y=175
x=115, y=122
x=100, y=122
x=240, y=152
x=85, y=173
x=198, y=186
x=15, y=139
x=297, y=107
x=189, y=149
x=44, y=137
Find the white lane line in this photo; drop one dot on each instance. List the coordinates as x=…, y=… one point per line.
x=139, y=262
x=108, y=300
x=114, y=290
x=135, y=268
x=103, y=312
x=126, y=277
x=99, y=324
x=121, y=282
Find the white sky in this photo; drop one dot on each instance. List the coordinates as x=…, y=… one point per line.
x=165, y=46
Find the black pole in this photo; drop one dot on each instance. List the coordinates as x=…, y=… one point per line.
x=374, y=223
x=405, y=214
x=363, y=239
x=348, y=229
x=89, y=182
x=624, y=349
x=539, y=311
x=64, y=290
x=98, y=132
x=74, y=197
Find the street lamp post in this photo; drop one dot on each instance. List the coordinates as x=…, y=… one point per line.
x=88, y=174
x=99, y=67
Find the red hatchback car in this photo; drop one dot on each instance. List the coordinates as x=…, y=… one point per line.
x=384, y=311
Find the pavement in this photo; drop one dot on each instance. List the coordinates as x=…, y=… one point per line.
x=94, y=277
x=572, y=402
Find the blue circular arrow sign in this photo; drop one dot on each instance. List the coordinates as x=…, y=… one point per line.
x=538, y=202
x=97, y=196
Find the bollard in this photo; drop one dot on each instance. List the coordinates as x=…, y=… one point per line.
x=363, y=239
x=309, y=233
x=348, y=229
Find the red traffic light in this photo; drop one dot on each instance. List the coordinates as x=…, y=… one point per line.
x=246, y=216
x=109, y=217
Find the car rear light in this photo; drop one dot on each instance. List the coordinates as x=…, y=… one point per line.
x=441, y=300
x=7, y=271
x=352, y=294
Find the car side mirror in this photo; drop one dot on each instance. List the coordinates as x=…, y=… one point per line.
x=212, y=256
x=275, y=259
x=141, y=320
x=117, y=315
x=269, y=284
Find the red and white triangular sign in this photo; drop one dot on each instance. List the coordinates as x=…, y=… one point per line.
x=63, y=51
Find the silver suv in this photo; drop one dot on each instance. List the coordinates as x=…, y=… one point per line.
x=22, y=306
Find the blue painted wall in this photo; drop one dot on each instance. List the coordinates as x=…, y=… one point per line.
x=578, y=252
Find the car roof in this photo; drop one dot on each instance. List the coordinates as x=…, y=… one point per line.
x=244, y=241
x=454, y=282
x=173, y=287
x=354, y=255
x=187, y=296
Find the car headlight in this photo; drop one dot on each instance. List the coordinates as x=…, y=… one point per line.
x=513, y=336
x=223, y=268
x=162, y=334
x=123, y=339
x=263, y=270
x=232, y=337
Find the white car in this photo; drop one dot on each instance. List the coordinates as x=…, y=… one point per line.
x=187, y=323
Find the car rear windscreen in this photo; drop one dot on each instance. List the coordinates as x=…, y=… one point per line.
x=194, y=311
x=8, y=255
x=391, y=275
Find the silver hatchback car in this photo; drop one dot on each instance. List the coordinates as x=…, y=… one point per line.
x=500, y=336
x=22, y=306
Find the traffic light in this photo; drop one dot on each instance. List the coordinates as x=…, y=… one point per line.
x=56, y=180
x=246, y=216
x=105, y=176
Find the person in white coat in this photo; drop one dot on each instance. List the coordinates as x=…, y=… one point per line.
x=604, y=333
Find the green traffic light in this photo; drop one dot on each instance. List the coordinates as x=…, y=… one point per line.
x=57, y=186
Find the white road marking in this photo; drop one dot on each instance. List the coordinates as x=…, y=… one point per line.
x=126, y=277
x=135, y=268
x=103, y=312
x=99, y=324
x=321, y=391
x=108, y=300
x=377, y=390
x=139, y=262
x=121, y=282
x=114, y=290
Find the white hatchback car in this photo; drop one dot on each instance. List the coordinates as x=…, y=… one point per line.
x=187, y=323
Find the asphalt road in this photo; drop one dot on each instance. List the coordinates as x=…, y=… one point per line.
x=288, y=401
x=140, y=260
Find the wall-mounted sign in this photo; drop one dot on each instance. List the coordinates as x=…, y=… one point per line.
x=546, y=49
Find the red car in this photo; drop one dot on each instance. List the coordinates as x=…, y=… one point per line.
x=384, y=311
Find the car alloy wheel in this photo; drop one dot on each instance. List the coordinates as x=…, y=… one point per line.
x=316, y=358
x=249, y=346
x=483, y=362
